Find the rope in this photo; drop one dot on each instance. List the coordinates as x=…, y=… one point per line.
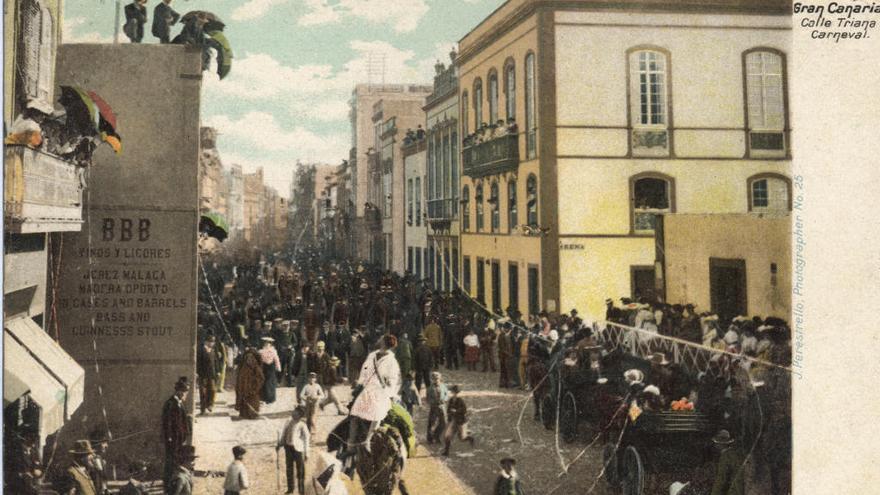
x=213, y=300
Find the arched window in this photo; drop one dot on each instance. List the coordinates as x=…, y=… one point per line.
x=765, y=100
x=531, y=124
x=478, y=104
x=532, y=201
x=769, y=193
x=510, y=90
x=512, y=219
x=464, y=114
x=649, y=102
x=493, y=97
x=478, y=198
x=494, y=204
x=466, y=209
x=652, y=194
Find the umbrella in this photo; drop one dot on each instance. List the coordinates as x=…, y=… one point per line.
x=104, y=110
x=212, y=21
x=213, y=224
x=217, y=40
x=81, y=109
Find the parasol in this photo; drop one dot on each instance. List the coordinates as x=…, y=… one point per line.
x=214, y=225
x=81, y=109
x=218, y=41
x=210, y=19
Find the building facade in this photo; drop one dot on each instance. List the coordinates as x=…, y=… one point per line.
x=442, y=178
x=414, y=152
x=365, y=226
x=393, y=118
x=235, y=201
x=614, y=130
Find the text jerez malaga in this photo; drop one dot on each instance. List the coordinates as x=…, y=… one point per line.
x=837, y=21
x=126, y=288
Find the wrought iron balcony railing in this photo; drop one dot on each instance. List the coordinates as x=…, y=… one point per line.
x=42, y=192
x=491, y=157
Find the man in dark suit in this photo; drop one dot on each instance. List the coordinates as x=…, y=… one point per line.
x=176, y=428
x=163, y=18
x=135, y=18
x=207, y=370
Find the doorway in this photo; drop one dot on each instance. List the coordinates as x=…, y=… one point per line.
x=727, y=285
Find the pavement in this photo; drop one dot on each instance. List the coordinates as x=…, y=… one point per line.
x=495, y=414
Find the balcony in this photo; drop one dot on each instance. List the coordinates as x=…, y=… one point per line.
x=42, y=192
x=491, y=157
x=440, y=209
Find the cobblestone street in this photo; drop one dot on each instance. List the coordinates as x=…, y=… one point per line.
x=494, y=414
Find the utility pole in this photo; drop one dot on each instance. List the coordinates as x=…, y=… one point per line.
x=116, y=26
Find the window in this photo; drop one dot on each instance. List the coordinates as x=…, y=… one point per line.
x=36, y=59
x=531, y=139
x=386, y=191
x=441, y=273
x=418, y=201
x=429, y=258
x=493, y=204
x=447, y=266
x=534, y=297
x=532, y=201
x=409, y=259
x=496, y=287
x=445, y=192
x=466, y=209
x=765, y=100
x=651, y=195
x=649, y=103
x=481, y=281
x=409, y=201
x=513, y=286
x=478, y=104
x=510, y=90
x=478, y=192
x=464, y=114
x=466, y=274
x=769, y=193
x=455, y=281
x=512, y=220
x=418, y=263
x=493, y=98
x=454, y=153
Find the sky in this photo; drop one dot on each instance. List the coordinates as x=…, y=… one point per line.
x=295, y=64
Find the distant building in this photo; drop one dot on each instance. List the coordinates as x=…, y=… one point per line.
x=415, y=232
x=235, y=201
x=442, y=178
x=254, y=203
x=364, y=143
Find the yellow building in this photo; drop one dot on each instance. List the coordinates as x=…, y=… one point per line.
x=731, y=264
x=622, y=114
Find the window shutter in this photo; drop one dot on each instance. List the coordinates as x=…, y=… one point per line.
x=46, y=73
x=29, y=50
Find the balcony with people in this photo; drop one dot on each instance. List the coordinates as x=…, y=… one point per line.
x=492, y=149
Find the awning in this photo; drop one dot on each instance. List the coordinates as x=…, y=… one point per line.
x=13, y=388
x=35, y=353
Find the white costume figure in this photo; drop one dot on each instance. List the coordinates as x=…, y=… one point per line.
x=380, y=378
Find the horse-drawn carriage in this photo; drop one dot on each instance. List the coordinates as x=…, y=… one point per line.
x=667, y=442
x=590, y=389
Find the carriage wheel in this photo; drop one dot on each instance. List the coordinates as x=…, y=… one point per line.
x=634, y=472
x=548, y=412
x=609, y=460
x=568, y=418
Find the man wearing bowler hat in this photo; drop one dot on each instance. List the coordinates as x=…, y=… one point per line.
x=181, y=478
x=508, y=482
x=729, y=479
x=176, y=427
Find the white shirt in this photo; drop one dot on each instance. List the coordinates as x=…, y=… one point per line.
x=296, y=435
x=471, y=340
x=311, y=391
x=236, y=477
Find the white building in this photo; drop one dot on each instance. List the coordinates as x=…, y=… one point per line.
x=416, y=230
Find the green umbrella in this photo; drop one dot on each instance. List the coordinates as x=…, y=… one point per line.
x=218, y=41
x=213, y=224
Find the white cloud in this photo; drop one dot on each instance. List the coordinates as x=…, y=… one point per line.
x=262, y=131
x=71, y=32
x=254, y=9
x=402, y=15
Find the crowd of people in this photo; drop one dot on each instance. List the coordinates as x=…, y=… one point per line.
x=487, y=132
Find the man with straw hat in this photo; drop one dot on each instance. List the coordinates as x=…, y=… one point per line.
x=77, y=480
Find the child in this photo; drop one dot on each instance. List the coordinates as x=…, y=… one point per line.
x=311, y=395
x=295, y=440
x=456, y=413
x=410, y=396
x=437, y=396
x=236, y=473
x=508, y=482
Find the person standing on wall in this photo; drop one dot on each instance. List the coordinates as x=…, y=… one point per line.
x=163, y=18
